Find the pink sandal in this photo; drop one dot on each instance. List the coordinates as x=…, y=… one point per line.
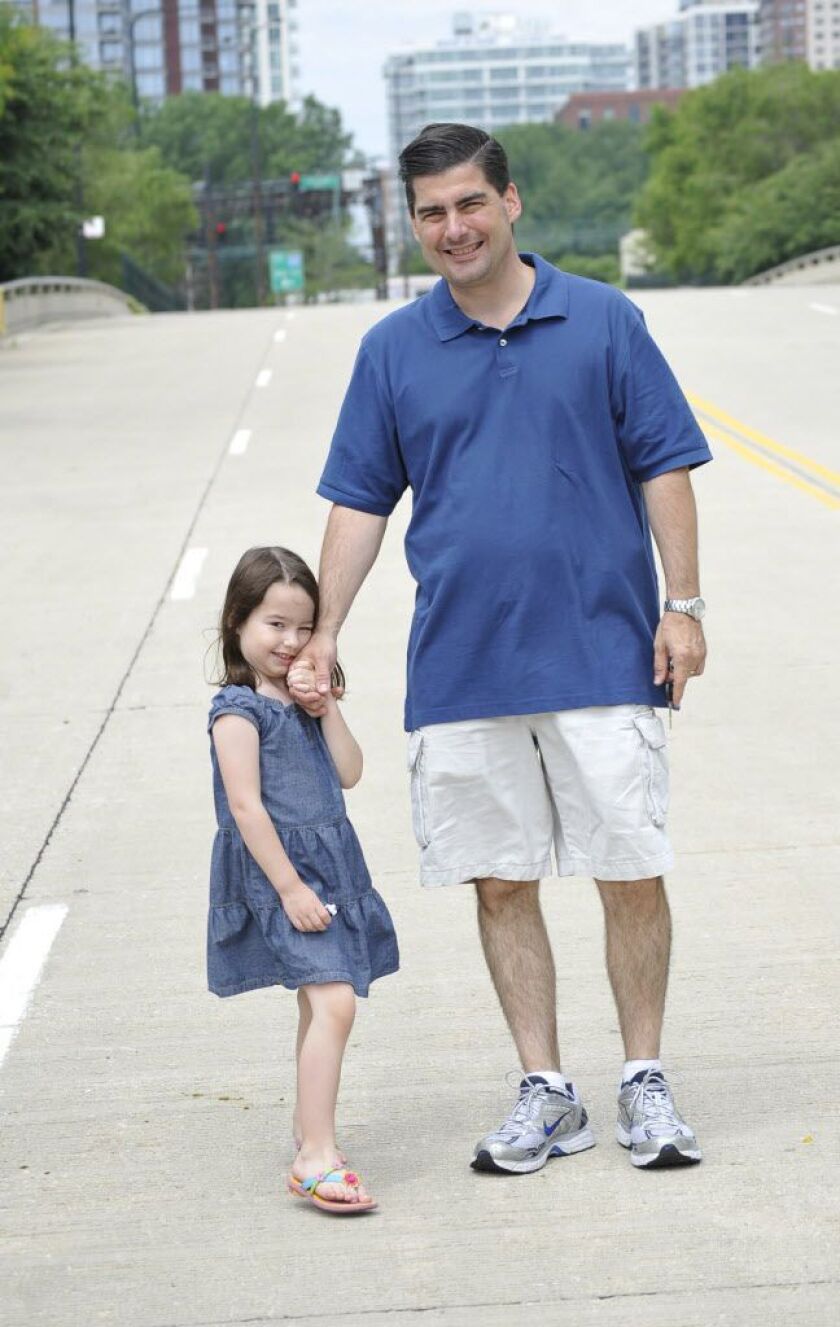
x=308, y=1189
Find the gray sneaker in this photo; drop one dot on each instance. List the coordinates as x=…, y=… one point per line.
x=650, y=1124
x=545, y=1122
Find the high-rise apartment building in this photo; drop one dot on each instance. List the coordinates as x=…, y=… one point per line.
x=237, y=47
x=783, y=31
x=494, y=71
x=701, y=42
x=823, y=34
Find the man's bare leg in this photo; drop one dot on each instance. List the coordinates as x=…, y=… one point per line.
x=638, y=943
x=519, y=957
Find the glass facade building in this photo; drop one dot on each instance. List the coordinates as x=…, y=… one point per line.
x=236, y=47
x=701, y=42
x=495, y=72
x=823, y=34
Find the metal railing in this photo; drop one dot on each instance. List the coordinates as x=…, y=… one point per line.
x=36, y=300
x=804, y=263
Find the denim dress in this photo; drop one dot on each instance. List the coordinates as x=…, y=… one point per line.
x=250, y=940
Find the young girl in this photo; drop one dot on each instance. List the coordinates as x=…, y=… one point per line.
x=291, y=900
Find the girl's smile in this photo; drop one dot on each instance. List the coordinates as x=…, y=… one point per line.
x=274, y=634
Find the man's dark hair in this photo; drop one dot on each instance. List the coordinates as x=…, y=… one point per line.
x=439, y=147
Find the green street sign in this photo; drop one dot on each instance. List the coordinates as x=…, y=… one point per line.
x=285, y=270
x=310, y=183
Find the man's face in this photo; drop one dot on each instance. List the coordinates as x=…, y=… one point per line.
x=463, y=225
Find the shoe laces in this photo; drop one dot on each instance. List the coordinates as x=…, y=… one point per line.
x=652, y=1102
x=527, y=1107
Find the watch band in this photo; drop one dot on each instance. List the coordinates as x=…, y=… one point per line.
x=694, y=607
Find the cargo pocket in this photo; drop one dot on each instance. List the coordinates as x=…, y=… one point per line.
x=654, y=765
x=419, y=792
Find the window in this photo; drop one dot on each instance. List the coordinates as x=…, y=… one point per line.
x=509, y=72
x=110, y=23
x=147, y=57
x=152, y=85
x=110, y=52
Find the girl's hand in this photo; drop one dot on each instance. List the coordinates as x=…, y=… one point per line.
x=319, y=655
x=303, y=908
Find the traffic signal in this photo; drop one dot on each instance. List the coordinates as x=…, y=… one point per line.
x=294, y=181
x=221, y=232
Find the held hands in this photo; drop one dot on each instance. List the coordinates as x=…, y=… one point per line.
x=309, y=678
x=302, y=906
x=679, y=652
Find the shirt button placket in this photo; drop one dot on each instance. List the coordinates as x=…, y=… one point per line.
x=504, y=358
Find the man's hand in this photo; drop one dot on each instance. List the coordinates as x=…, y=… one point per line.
x=309, y=679
x=679, y=652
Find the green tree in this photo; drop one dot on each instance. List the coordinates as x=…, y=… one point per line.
x=46, y=106
x=206, y=135
x=720, y=144
x=794, y=211
x=577, y=187
x=66, y=142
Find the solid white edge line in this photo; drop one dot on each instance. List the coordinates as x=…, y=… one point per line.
x=183, y=586
x=263, y=378
x=239, y=442
x=280, y=335
x=824, y=308
x=22, y=964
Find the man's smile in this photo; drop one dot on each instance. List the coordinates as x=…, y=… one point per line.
x=464, y=250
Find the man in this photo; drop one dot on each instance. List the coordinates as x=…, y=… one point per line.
x=541, y=433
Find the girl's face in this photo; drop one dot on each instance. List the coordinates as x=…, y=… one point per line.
x=277, y=630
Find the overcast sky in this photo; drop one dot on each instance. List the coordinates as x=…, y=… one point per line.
x=344, y=43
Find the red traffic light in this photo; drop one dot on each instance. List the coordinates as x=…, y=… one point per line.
x=294, y=178
x=221, y=230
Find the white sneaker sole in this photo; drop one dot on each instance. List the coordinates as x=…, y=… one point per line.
x=576, y=1142
x=670, y=1153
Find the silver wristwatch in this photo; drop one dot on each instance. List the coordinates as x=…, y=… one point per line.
x=695, y=607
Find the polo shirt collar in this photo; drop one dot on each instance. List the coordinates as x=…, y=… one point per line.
x=548, y=299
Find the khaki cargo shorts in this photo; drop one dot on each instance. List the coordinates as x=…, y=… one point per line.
x=490, y=797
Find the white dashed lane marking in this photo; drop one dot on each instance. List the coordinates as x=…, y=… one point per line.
x=183, y=586
x=22, y=964
x=239, y=442
x=824, y=308
x=280, y=335
x=263, y=377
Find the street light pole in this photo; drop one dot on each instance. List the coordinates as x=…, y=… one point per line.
x=131, y=22
x=78, y=186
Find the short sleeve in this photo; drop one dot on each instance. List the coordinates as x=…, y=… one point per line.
x=656, y=428
x=236, y=700
x=365, y=467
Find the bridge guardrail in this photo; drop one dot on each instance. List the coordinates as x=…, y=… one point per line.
x=819, y=258
x=33, y=301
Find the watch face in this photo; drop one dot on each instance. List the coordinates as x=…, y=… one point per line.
x=698, y=609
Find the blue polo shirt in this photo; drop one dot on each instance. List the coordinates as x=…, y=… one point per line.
x=524, y=451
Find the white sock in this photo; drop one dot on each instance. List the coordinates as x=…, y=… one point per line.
x=551, y=1076
x=633, y=1067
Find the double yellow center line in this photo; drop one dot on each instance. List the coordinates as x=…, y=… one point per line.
x=783, y=462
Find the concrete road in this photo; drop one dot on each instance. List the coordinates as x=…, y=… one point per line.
x=145, y=1124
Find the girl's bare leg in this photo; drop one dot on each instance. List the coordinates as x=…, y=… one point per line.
x=332, y=1011
x=304, y=1019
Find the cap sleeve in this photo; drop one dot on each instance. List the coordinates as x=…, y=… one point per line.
x=236, y=700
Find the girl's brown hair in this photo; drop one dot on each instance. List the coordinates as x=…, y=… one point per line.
x=255, y=571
